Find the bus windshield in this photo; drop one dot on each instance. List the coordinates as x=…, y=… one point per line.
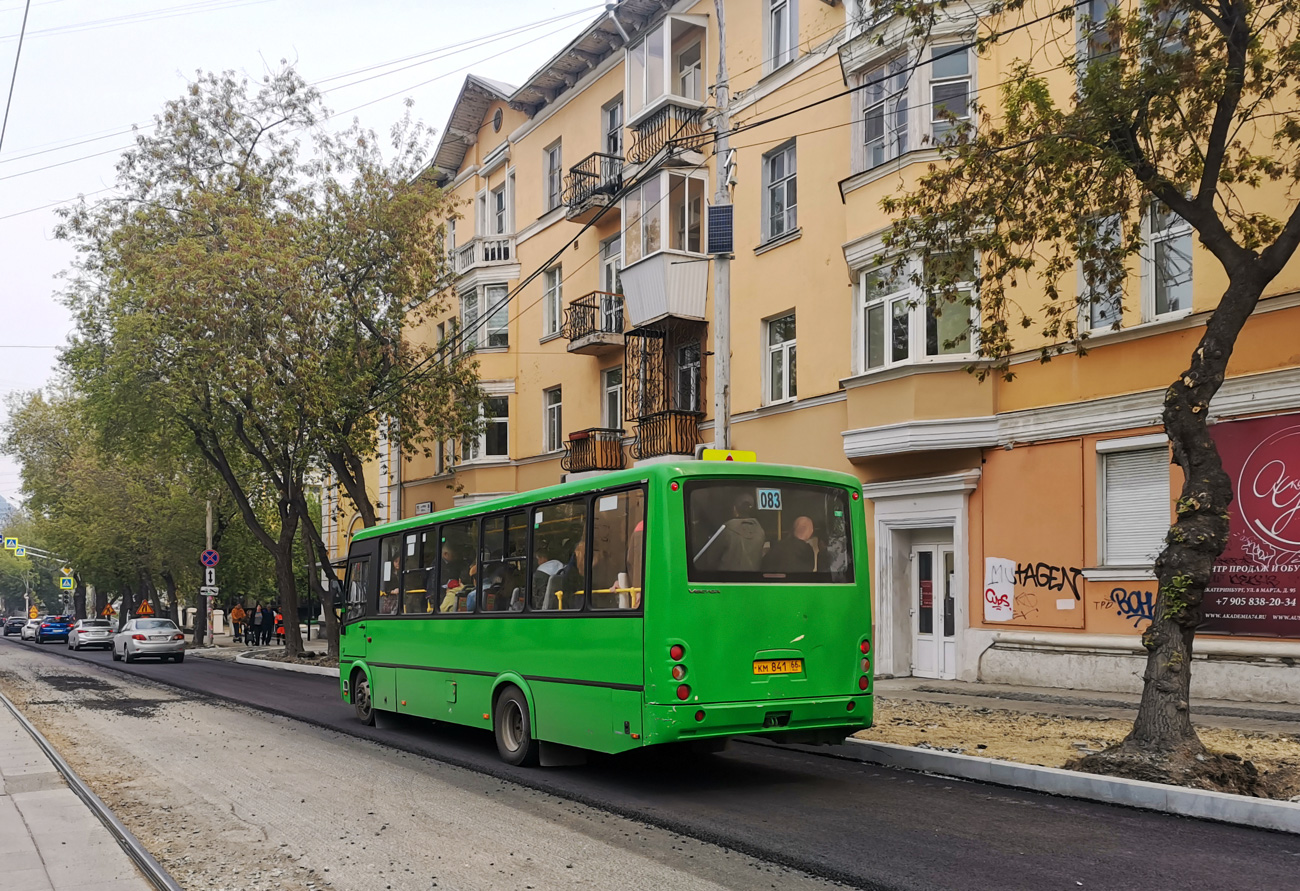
x=767, y=531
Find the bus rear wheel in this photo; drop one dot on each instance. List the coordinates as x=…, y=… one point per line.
x=361, y=701
x=514, y=728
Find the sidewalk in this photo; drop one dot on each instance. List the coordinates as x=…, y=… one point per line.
x=1257, y=717
x=50, y=840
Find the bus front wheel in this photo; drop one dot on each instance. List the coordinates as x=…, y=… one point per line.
x=361, y=702
x=514, y=728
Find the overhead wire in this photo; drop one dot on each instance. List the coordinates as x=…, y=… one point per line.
x=148, y=15
x=13, y=79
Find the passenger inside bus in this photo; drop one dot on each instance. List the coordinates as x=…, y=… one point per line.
x=795, y=552
x=567, y=590
x=738, y=544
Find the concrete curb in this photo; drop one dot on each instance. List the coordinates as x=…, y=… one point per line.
x=288, y=666
x=1261, y=813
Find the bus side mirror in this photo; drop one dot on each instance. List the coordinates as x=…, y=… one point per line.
x=343, y=629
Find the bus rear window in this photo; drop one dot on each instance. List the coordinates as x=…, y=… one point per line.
x=767, y=531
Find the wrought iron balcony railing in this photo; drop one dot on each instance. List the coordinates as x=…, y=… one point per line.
x=596, y=448
x=595, y=180
x=599, y=312
x=669, y=432
x=675, y=125
x=485, y=250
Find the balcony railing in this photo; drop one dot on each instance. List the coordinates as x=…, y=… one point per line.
x=681, y=127
x=485, y=250
x=593, y=323
x=669, y=432
x=592, y=183
x=596, y=448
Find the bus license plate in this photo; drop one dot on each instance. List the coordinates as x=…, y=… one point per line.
x=778, y=666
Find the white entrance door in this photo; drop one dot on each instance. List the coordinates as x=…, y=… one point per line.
x=934, y=641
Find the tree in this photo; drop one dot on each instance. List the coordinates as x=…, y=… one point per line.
x=254, y=295
x=1176, y=106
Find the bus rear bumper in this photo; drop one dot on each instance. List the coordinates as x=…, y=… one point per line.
x=789, y=720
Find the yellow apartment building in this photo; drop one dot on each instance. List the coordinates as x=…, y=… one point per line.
x=1013, y=524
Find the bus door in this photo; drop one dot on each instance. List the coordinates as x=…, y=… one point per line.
x=359, y=589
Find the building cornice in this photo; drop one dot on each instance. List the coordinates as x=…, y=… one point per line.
x=966, y=481
x=919, y=436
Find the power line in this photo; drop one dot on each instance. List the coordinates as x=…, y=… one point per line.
x=14, y=78
x=148, y=15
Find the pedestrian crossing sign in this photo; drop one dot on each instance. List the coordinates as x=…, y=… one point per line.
x=11, y=543
x=66, y=583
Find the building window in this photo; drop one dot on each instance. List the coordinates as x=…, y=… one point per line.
x=611, y=267
x=496, y=306
x=899, y=325
x=553, y=420
x=783, y=32
x=1169, y=262
x=612, y=123
x=885, y=111
x=781, y=359
x=552, y=300
x=554, y=175
x=1134, y=502
x=1096, y=42
x=1101, y=292
x=667, y=204
x=498, y=204
x=949, y=91
x=687, y=383
x=469, y=314
x=451, y=236
x=669, y=60
x=689, y=79
x=494, y=441
x=611, y=382
x=779, y=192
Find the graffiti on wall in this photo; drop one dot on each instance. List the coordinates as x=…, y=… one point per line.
x=1049, y=577
x=1140, y=606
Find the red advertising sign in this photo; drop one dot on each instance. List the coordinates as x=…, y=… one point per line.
x=1255, y=589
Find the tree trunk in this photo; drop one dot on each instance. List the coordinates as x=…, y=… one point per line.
x=311, y=533
x=101, y=601
x=126, y=606
x=79, y=598
x=1163, y=726
x=287, y=580
x=351, y=474
x=173, y=603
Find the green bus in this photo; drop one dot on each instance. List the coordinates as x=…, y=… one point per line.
x=683, y=602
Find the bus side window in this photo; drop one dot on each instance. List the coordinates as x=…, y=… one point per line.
x=458, y=569
x=503, y=562
x=559, y=577
x=357, y=588
x=390, y=568
x=415, y=567
x=618, y=550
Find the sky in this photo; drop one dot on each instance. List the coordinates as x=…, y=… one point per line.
x=89, y=69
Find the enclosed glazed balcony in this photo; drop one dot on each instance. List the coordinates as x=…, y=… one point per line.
x=593, y=324
x=666, y=88
x=596, y=448
x=592, y=183
x=485, y=250
x=671, y=432
x=666, y=272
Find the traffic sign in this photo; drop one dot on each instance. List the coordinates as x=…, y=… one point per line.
x=11, y=543
x=33, y=613
x=108, y=611
x=20, y=551
x=66, y=583
x=67, y=570
x=727, y=455
x=210, y=575
x=209, y=558
x=209, y=591
x=144, y=609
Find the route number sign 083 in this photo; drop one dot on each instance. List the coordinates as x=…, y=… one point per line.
x=769, y=499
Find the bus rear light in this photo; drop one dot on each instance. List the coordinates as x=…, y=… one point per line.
x=674, y=486
x=684, y=692
x=866, y=665
x=863, y=683
x=856, y=496
x=699, y=716
x=851, y=705
x=865, y=647
x=676, y=652
x=679, y=672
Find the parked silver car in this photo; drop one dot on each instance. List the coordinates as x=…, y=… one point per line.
x=149, y=637
x=90, y=633
x=30, y=629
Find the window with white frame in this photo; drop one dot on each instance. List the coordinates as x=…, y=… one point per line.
x=781, y=359
x=554, y=175
x=552, y=300
x=687, y=383
x=950, y=85
x=611, y=384
x=897, y=322
x=1101, y=293
x=451, y=236
x=1096, y=42
x=500, y=219
x=611, y=118
x=496, y=306
x=665, y=211
x=779, y=192
x=553, y=419
x=1168, y=261
x=1134, y=502
x=782, y=32
x=885, y=111
x=469, y=316
x=668, y=61
x=494, y=440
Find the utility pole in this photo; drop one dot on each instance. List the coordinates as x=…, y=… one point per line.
x=722, y=262
x=208, y=636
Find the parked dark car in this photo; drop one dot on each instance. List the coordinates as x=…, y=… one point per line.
x=55, y=628
x=14, y=625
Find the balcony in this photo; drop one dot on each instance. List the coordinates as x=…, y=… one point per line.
x=593, y=324
x=593, y=183
x=596, y=448
x=485, y=250
x=671, y=432
x=678, y=126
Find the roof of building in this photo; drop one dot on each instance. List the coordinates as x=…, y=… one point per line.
x=476, y=94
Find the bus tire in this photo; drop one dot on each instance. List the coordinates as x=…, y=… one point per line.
x=361, y=701
x=513, y=728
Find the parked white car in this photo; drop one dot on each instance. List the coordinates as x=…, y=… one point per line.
x=90, y=633
x=149, y=637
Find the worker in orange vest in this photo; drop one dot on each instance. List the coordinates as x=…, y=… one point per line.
x=237, y=616
x=279, y=628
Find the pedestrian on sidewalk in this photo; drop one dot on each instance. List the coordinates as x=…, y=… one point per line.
x=268, y=625
x=237, y=622
x=279, y=627
x=254, y=628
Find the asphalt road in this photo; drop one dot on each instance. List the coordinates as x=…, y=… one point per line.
x=823, y=813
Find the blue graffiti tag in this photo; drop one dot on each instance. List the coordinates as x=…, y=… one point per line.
x=1136, y=605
